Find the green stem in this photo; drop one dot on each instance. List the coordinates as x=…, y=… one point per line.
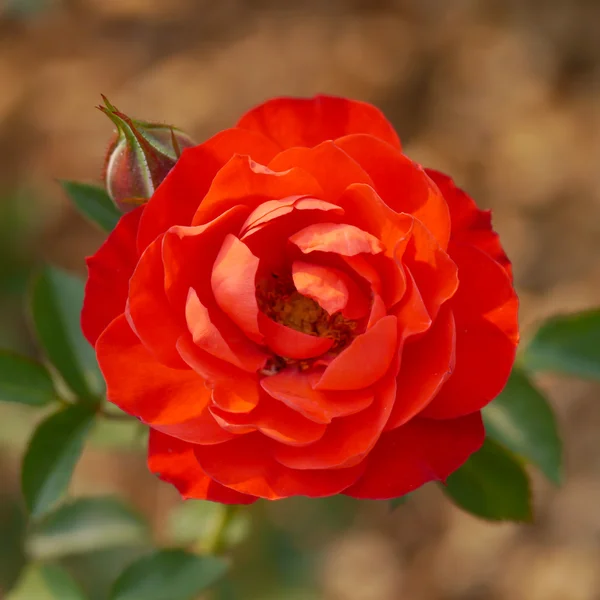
x=216, y=544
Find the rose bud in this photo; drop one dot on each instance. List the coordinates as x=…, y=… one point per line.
x=302, y=310
x=139, y=158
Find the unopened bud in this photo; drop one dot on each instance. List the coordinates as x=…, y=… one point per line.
x=139, y=158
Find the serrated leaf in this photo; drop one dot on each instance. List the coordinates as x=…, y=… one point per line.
x=84, y=525
x=94, y=203
x=567, y=344
x=24, y=381
x=521, y=419
x=60, y=584
x=56, y=301
x=168, y=575
x=51, y=457
x=492, y=484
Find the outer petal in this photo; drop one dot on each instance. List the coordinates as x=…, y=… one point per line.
x=174, y=461
x=244, y=181
x=177, y=198
x=307, y=122
x=485, y=308
x=172, y=401
x=109, y=271
x=470, y=224
x=420, y=451
x=402, y=183
x=426, y=364
x=296, y=390
x=365, y=360
x=247, y=465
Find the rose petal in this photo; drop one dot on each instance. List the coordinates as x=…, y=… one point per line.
x=244, y=181
x=340, y=238
x=402, y=183
x=233, y=283
x=330, y=165
x=177, y=198
x=347, y=440
x=295, y=389
x=308, y=121
x=485, y=309
x=470, y=224
x=109, y=271
x=174, y=461
x=217, y=335
x=289, y=343
x=148, y=310
x=365, y=360
x=247, y=465
x=426, y=364
x=422, y=450
x=172, y=401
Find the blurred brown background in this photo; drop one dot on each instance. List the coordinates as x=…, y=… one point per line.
x=502, y=94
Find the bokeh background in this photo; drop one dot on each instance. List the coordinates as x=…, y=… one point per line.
x=502, y=94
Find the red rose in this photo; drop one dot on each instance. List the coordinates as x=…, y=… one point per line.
x=300, y=309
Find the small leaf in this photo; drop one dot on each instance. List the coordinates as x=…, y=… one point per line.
x=567, y=344
x=521, y=420
x=94, y=203
x=52, y=455
x=56, y=304
x=84, y=525
x=168, y=575
x=60, y=584
x=396, y=502
x=492, y=484
x=24, y=381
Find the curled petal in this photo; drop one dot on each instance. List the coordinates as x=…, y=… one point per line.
x=293, y=122
x=287, y=342
x=339, y=238
x=218, y=336
x=233, y=283
x=178, y=196
x=365, y=360
x=296, y=390
x=174, y=461
x=330, y=165
x=148, y=310
x=331, y=288
x=426, y=364
x=422, y=450
x=485, y=308
x=109, y=271
x=246, y=464
x=275, y=420
x=232, y=389
x=411, y=312
x=172, y=401
x=244, y=181
x=347, y=440
x=402, y=183
x=470, y=224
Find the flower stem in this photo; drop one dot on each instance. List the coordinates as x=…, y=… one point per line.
x=217, y=542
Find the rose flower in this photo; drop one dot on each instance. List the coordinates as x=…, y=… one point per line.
x=300, y=309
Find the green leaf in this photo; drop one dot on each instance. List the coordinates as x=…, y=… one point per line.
x=396, y=502
x=521, y=420
x=56, y=303
x=24, y=381
x=84, y=525
x=168, y=575
x=94, y=203
x=567, y=344
x=60, y=584
x=52, y=455
x=492, y=484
